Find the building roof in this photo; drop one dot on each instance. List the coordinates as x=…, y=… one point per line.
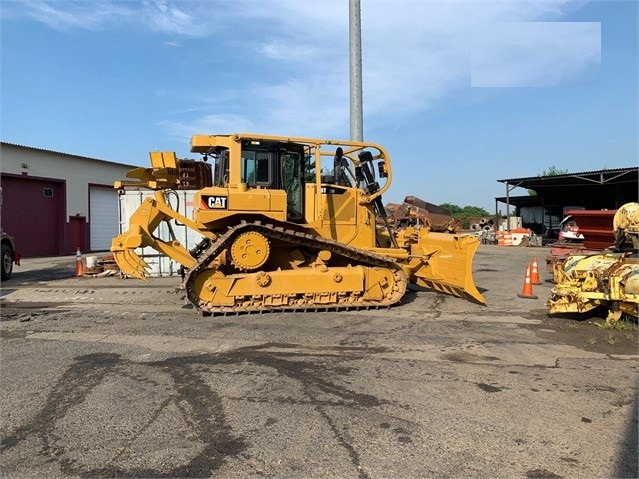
x=597, y=177
x=3, y=143
x=609, y=188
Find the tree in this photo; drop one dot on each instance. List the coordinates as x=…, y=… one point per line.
x=552, y=171
x=454, y=209
x=309, y=169
x=463, y=215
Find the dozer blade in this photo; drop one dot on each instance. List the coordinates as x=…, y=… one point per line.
x=131, y=264
x=446, y=264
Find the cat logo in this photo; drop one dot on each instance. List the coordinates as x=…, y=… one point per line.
x=214, y=202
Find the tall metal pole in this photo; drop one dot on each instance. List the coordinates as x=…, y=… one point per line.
x=355, y=67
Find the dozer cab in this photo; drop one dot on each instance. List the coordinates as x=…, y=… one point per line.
x=290, y=224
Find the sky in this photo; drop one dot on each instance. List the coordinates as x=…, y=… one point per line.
x=460, y=93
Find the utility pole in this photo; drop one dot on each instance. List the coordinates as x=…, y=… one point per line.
x=355, y=68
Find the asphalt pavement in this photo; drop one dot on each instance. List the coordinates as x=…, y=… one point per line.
x=112, y=377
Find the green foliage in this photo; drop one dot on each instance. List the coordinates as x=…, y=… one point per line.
x=624, y=324
x=552, y=171
x=464, y=214
x=466, y=211
x=454, y=209
x=627, y=327
x=309, y=169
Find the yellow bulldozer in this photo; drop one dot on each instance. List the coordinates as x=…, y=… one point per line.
x=290, y=224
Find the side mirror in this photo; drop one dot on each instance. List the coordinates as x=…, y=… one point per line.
x=381, y=170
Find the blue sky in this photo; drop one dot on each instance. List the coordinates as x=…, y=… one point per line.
x=460, y=93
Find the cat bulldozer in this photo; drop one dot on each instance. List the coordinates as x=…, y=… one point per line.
x=291, y=224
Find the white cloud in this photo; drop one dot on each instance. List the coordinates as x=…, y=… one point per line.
x=167, y=17
x=206, y=125
x=533, y=54
x=291, y=57
x=284, y=51
x=156, y=15
x=418, y=54
x=70, y=14
x=414, y=55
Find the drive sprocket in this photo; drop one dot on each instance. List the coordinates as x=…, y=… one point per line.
x=250, y=251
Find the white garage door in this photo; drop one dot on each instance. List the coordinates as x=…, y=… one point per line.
x=103, y=217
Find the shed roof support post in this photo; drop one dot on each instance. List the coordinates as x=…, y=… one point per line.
x=507, y=207
x=543, y=216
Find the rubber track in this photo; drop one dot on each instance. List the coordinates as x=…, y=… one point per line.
x=359, y=257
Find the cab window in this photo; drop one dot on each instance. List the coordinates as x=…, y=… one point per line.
x=293, y=184
x=221, y=170
x=255, y=168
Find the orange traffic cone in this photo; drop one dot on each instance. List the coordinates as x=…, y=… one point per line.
x=78, y=262
x=534, y=273
x=527, y=292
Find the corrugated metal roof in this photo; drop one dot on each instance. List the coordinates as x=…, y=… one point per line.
x=67, y=154
x=572, y=175
x=599, y=189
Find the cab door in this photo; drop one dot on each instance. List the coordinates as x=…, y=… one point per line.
x=292, y=181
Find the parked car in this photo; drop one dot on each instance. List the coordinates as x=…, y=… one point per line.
x=9, y=256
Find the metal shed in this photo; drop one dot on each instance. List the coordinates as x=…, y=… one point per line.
x=591, y=190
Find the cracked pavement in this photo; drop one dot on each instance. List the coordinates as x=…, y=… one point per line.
x=107, y=377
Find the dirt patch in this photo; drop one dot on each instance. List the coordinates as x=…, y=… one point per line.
x=590, y=333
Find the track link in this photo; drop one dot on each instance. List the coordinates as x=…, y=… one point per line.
x=358, y=256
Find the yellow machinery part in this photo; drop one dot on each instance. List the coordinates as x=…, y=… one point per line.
x=322, y=285
x=256, y=251
x=318, y=273
x=586, y=282
x=142, y=224
x=626, y=223
x=444, y=262
x=250, y=251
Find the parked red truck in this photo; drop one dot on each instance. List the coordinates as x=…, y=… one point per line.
x=10, y=254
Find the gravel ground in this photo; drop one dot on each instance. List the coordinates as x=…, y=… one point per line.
x=111, y=377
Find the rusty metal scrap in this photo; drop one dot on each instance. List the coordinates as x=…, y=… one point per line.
x=414, y=211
